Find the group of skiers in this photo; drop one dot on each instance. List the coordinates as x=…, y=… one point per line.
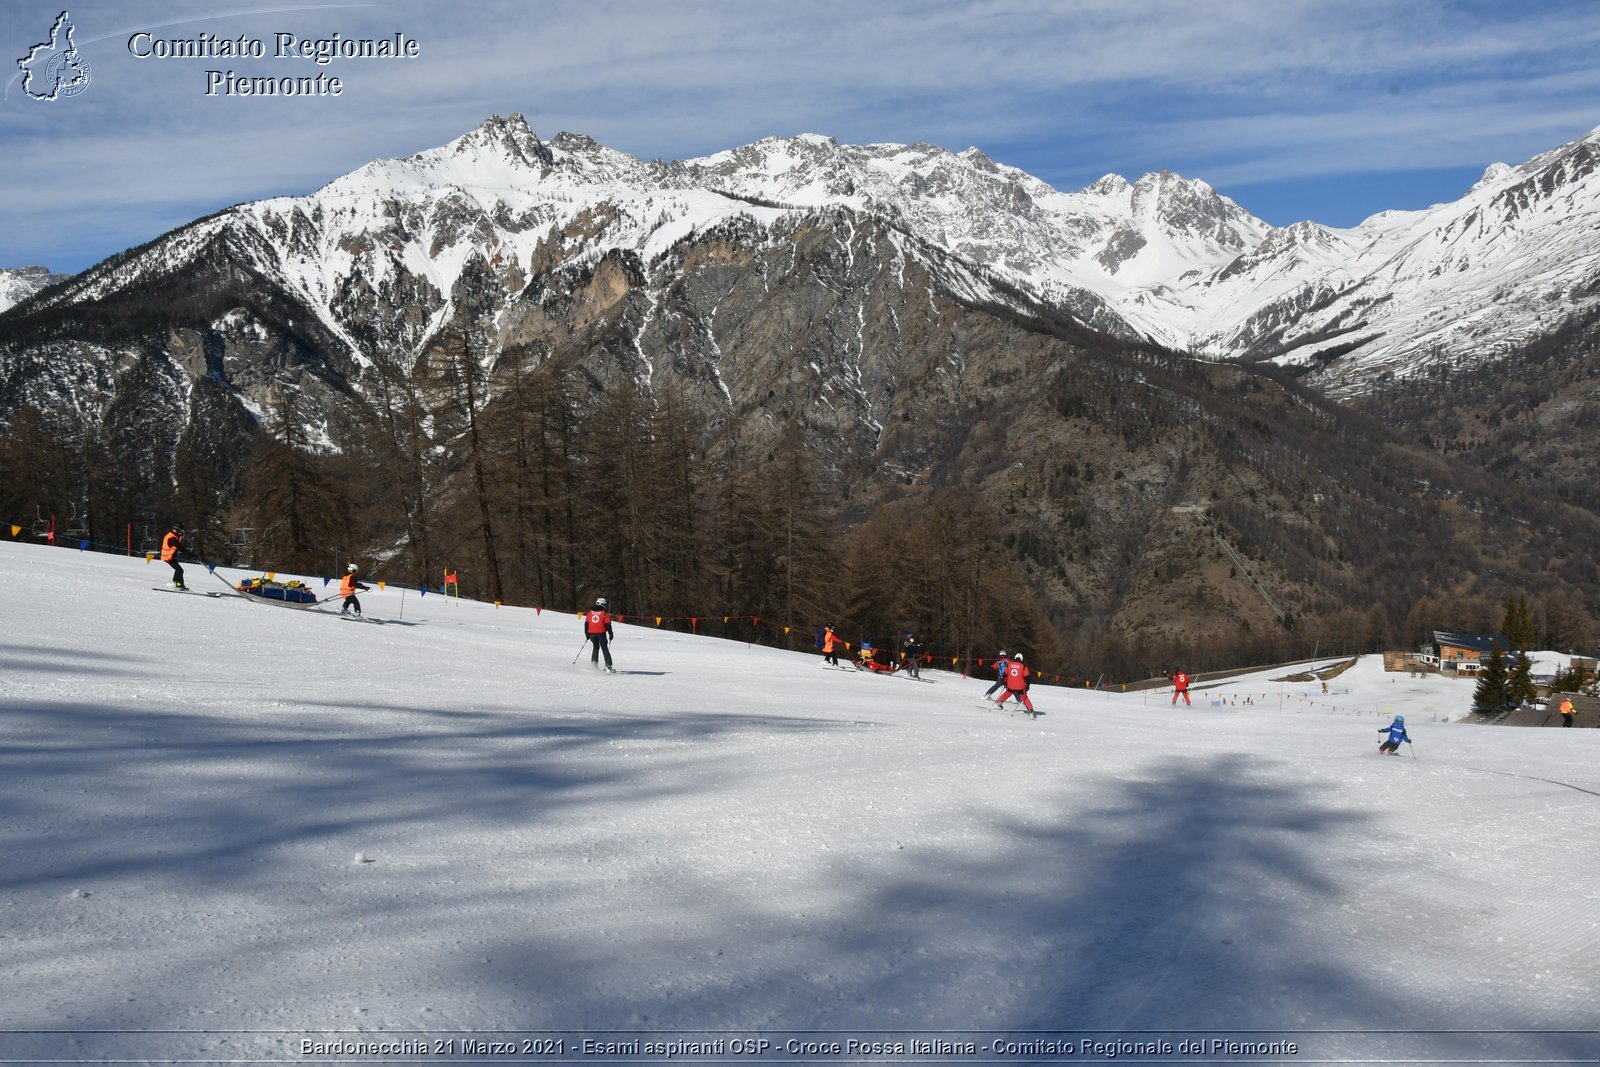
x=1011, y=670
x=1011, y=679
x=867, y=656
x=173, y=552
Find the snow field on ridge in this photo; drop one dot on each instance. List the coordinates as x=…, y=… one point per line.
x=724, y=836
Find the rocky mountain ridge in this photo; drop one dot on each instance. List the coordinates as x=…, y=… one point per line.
x=19, y=283
x=917, y=320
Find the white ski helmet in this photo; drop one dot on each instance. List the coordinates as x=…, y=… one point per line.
x=1002, y=654
x=1017, y=656
x=352, y=567
x=599, y=601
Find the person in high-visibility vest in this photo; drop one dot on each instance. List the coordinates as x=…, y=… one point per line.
x=171, y=550
x=831, y=643
x=347, y=589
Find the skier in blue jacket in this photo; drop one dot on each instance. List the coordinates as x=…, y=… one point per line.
x=999, y=676
x=1397, y=733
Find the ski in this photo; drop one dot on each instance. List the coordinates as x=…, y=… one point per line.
x=192, y=592
x=361, y=618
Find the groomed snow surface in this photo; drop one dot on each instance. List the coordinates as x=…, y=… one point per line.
x=240, y=832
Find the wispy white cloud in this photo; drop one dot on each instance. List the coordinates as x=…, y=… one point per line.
x=1237, y=93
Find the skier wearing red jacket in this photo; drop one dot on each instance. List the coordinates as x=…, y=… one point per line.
x=1180, y=688
x=597, y=625
x=1017, y=683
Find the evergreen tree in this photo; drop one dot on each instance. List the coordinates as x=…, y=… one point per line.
x=1517, y=624
x=1520, y=686
x=1493, y=681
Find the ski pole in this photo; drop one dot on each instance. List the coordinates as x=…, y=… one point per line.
x=580, y=651
x=1411, y=748
x=211, y=569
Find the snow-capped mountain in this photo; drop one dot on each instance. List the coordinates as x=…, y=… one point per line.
x=1476, y=277
x=1163, y=257
x=878, y=307
x=19, y=283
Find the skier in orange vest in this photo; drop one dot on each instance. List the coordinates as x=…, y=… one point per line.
x=171, y=550
x=347, y=589
x=831, y=643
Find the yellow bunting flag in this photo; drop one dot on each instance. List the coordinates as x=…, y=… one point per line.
x=149, y=557
x=15, y=529
x=382, y=585
x=786, y=631
x=658, y=620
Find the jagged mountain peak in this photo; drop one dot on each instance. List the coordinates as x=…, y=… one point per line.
x=495, y=139
x=1192, y=206
x=1110, y=185
x=1493, y=173
x=19, y=283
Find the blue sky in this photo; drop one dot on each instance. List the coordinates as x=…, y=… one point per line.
x=1294, y=108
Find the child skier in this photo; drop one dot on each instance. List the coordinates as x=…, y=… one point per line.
x=1180, y=688
x=831, y=643
x=1017, y=683
x=1397, y=733
x=348, y=587
x=999, y=676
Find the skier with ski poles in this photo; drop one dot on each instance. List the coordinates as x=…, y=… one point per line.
x=1180, y=687
x=999, y=676
x=348, y=587
x=1017, y=683
x=597, y=625
x=1397, y=733
x=912, y=650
